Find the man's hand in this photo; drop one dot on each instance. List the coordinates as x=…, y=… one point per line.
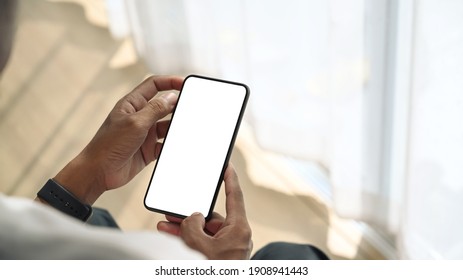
x=219, y=238
x=127, y=141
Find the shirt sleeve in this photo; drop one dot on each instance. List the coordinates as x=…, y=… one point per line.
x=29, y=230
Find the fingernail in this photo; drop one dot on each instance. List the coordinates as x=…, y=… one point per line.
x=170, y=97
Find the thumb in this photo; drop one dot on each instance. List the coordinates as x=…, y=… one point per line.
x=159, y=107
x=192, y=232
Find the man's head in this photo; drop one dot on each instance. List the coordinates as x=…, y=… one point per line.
x=7, y=27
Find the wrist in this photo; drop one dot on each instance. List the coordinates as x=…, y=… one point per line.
x=80, y=178
x=61, y=199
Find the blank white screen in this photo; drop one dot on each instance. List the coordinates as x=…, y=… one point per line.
x=188, y=170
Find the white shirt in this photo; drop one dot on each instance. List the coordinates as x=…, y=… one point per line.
x=30, y=230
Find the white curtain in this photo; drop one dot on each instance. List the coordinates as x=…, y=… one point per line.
x=433, y=208
x=367, y=89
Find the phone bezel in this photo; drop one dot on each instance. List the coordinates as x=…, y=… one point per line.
x=227, y=157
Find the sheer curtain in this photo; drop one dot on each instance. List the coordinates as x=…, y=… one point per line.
x=433, y=208
x=367, y=89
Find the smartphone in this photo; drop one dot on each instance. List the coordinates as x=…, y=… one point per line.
x=190, y=168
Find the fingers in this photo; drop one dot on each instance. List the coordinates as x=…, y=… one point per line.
x=172, y=225
x=170, y=228
x=174, y=219
x=167, y=82
x=152, y=146
x=192, y=232
x=234, y=196
x=157, y=108
x=161, y=129
x=152, y=85
x=157, y=150
x=158, y=105
x=162, y=83
x=215, y=223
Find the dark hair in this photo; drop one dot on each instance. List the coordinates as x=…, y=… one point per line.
x=7, y=29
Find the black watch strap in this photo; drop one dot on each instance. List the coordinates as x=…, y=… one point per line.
x=61, y=199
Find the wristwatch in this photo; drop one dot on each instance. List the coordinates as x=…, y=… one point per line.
x=61, y=199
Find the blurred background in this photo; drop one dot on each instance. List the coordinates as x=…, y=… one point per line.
x=352, y=140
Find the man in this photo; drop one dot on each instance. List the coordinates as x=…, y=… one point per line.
x=127, y=141
x=122, y=147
